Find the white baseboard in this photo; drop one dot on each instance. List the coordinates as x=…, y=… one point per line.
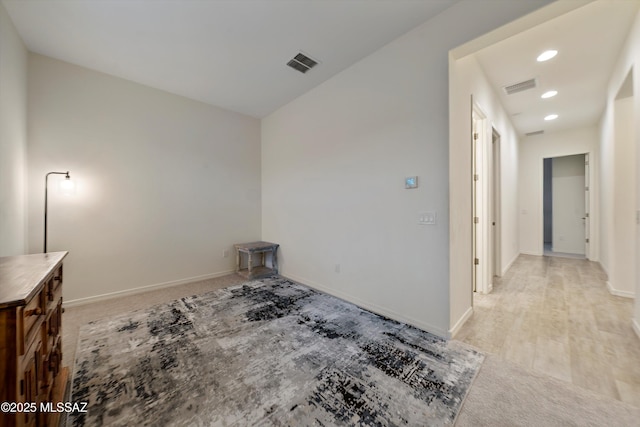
x=618, y=293
x=531, y=253
x=371, y=307
x=102, y=297
x=504, y=270
x=456, y=328
x=636, y=327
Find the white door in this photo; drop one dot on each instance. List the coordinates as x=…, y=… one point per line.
x=569, y=190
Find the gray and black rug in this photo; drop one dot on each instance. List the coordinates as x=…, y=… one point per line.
x=268, y=352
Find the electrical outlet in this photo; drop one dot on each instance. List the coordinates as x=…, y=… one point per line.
x=337, y=268
x=225, y=253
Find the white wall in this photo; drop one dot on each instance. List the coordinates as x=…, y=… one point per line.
x=13, y=138
x=622, y=277
x=334, y=162
x=606, y=205
x=568, y=184
x=468, y=79
x=619, y=176
x=533, y=150
x=165, y=184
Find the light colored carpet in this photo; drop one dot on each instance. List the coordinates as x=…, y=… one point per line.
x=504, y=394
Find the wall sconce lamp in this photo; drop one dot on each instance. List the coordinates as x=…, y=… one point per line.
x=66, y=186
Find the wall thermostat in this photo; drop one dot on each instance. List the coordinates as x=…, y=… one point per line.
x=411, y=182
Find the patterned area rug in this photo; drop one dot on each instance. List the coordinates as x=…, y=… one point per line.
x=267, y=352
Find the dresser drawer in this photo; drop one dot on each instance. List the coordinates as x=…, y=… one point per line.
x=31, y=381
x=30, y=318
x=56, y=279
x=53, y=286
x=52, y=324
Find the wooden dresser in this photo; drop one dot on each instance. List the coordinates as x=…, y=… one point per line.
x=30, y=339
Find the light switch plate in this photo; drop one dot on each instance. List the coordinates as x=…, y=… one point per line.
x=427, y=218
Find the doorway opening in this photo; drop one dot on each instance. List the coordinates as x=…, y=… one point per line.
x=566, y=206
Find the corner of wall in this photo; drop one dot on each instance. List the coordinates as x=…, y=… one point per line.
x=636, y=326
x=460, y=323
x=613, y=291
x=13, y=138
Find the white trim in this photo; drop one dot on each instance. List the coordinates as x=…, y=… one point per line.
x=111, y=295
x=614, y=291
x=636, y=327
x=532, y=253
x=510, y=264
x=482, y=157
x=371, y=307
x=504, y=271
x=456, y=328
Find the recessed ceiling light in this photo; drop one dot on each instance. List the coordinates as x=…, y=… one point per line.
x=547, y=55
x=549, y=94
x=551, y=117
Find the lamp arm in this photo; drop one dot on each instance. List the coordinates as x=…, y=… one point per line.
x=46, y=186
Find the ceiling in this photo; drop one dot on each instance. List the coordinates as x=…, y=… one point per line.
x=588, y=40
x=228, y=53
x=233, y=53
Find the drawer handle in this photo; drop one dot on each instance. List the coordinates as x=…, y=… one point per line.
x=58, y=278
x=35, y=312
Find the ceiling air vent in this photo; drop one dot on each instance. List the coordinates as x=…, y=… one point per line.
x=302, y=63
x=537, y=132
x=519, y=87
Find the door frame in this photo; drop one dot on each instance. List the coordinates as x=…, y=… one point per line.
x=477, y=118
x=587, y=205
x=482, y=261
x=496, y=206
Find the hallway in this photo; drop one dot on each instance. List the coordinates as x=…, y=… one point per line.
x=554, y=315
